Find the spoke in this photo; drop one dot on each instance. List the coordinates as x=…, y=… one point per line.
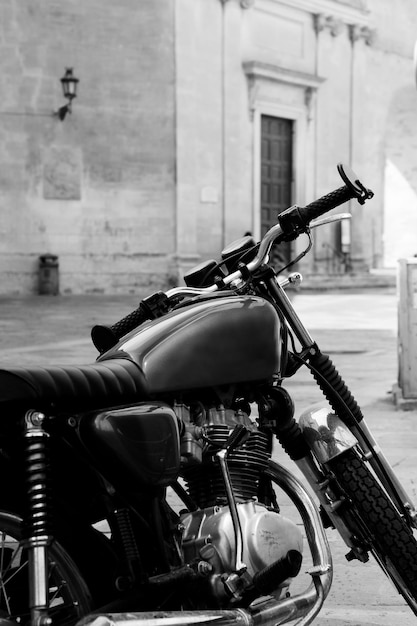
x=15, y=572
x=3, y=580
x=56, y=593
x=63, y=599
x=58, y=585
x=14, y=555
x=3, y=541
x=6, y=599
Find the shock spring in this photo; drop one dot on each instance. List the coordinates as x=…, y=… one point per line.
x=126, y=534
x=36, y=465
x=133, y=570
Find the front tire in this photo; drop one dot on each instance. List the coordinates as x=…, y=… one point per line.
x=68, y=593
x=388, y=536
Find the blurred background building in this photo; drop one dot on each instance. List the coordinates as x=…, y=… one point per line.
x=196, y=121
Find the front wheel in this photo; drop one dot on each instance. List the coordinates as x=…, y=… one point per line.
x=386, y=533
x=68, y=594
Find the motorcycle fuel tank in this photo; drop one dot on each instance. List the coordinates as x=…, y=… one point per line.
x=215, y=341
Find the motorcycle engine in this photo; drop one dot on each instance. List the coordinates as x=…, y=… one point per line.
x=208, y=532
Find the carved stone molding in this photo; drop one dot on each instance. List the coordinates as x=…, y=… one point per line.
x=319, y=21
x=346, y=12
x=309, y=99
x=256, y=72
x=357, y=32
x=329, y=22
x=336, y=26
x=245, y=4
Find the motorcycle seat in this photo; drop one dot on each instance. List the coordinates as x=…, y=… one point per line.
x=71, y=388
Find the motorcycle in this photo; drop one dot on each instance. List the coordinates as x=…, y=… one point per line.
x=140, y=489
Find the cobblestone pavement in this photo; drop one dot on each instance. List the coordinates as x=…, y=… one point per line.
x=357, y=330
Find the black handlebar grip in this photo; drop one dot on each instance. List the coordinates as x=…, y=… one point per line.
x=129, y=322
x=325, y=203
x=296, y=219
x=151, y=307
x=105, y=337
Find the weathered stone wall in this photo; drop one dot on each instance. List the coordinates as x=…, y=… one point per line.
x=158, y=166
x=395, y=125
x=98, y=189
x=301, y=60
x=387, y=127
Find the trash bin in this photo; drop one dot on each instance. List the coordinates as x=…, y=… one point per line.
x=48, y=275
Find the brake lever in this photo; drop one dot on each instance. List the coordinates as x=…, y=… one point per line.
x=329, y=219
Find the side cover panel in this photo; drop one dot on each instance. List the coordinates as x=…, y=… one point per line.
x=139, y=444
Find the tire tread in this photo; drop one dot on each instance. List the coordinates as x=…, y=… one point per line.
x=391, y=537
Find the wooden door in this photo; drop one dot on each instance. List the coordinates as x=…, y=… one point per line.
x=276, y=176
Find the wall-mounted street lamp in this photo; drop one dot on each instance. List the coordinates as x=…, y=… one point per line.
x=69, y=88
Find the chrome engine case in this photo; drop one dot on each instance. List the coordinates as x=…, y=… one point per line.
x=267, y=537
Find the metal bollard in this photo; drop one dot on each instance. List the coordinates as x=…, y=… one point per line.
x=48, y=275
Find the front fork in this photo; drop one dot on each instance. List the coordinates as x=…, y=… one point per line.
x=345, y=407
x=37, y=532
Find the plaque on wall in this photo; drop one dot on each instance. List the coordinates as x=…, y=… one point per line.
x=62, y=174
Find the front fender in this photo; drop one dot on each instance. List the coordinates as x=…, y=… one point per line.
x=325, y=433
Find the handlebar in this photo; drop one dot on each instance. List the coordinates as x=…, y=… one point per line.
x=105, y=337
x=326, y=203
x=291, y=223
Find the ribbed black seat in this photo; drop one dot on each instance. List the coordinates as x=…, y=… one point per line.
x=70, y=388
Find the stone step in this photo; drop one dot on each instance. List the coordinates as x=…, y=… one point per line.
x=359, y=281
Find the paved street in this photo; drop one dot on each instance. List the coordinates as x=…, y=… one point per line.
x=357, y=330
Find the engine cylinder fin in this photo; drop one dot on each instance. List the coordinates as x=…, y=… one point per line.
x=204, y=481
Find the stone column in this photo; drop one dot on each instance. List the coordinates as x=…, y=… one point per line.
x=186, y=145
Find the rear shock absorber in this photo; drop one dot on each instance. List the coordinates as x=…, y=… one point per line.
x=132, y=557
x=37, y=523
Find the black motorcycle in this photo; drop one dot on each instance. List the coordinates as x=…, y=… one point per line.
x=139, y=490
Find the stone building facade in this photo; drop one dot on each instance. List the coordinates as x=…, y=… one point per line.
x=195, y=121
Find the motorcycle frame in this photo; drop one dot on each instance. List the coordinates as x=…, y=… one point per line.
x=306, y=605
x=309, y=603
